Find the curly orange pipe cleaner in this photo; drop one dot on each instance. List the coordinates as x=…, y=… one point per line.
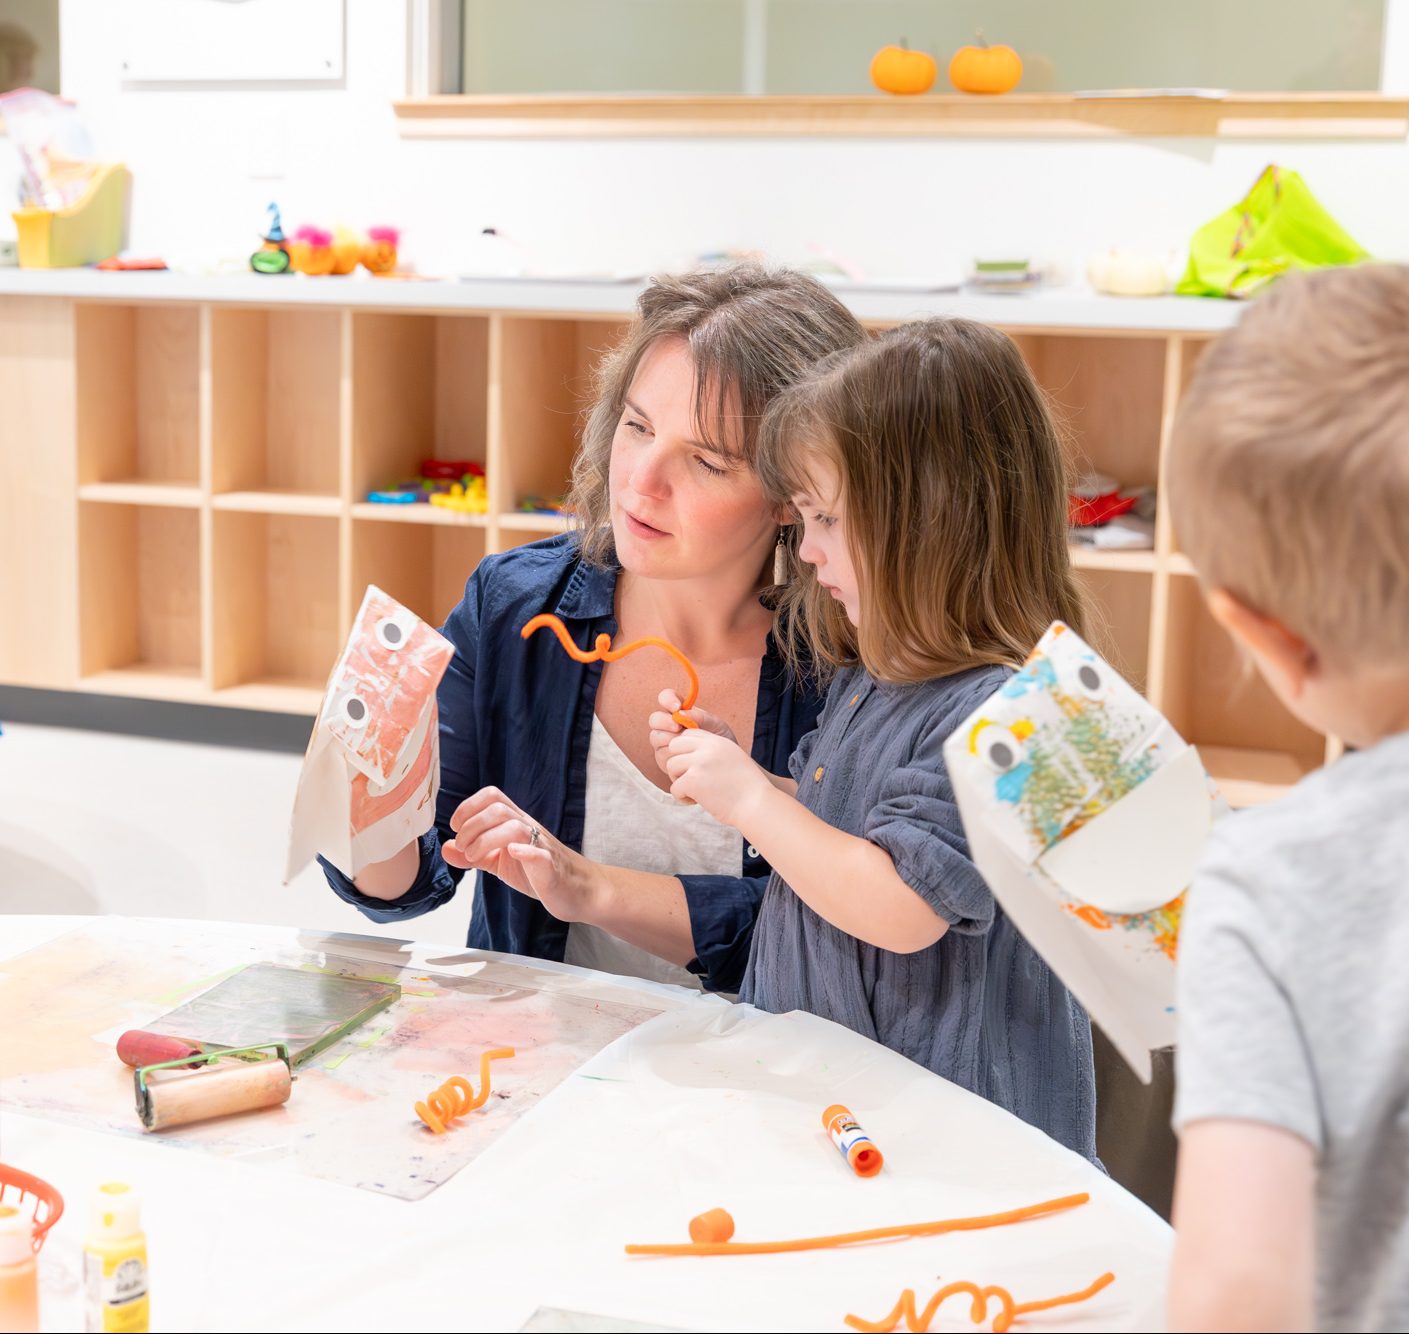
x=919, y=1321
x=871, y=1234
x=604, y=652
x=455, y=1097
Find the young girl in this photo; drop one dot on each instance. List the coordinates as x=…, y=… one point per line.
x=927, y=482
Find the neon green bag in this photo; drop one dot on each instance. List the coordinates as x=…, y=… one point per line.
x=1278, y=226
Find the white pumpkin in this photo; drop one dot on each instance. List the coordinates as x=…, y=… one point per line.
x=1129, y=273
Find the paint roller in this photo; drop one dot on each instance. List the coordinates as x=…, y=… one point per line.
x=204, y=1085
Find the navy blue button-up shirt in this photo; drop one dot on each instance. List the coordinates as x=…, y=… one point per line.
x=517, y=714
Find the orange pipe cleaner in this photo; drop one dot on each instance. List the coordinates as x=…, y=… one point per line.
x=455, y=1097
x=604, y=652
x=871, y=1234
x=919, y=1321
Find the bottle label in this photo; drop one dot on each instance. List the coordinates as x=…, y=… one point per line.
x=115, y=1294
x=846, y=1134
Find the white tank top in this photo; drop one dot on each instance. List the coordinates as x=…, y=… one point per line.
x=630, y=822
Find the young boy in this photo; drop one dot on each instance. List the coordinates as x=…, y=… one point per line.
x=1289, y=481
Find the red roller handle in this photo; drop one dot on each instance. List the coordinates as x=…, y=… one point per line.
x=137, y=1047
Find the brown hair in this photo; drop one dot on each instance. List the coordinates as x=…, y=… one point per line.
x=751, y=331
x=1289, y=464
x=956, y=503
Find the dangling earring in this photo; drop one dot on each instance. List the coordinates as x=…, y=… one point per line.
x=780, y=558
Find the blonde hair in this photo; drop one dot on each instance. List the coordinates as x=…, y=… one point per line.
x=751, y=331
x=955, y=494
x=1289, y=464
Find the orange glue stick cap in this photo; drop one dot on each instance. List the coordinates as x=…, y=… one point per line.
x=853, y=1143
x=716, y=1225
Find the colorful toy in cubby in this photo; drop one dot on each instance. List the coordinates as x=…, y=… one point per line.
x=546, y=505
x=311, y=251
x=379, y=254
x=273, y=255
x=457, y=484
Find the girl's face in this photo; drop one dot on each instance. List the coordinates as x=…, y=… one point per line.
x=822, y=514
x=682, y=507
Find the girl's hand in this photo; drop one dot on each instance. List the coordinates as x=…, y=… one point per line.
x=714, y=772
x=494, y=834
x=664, y=728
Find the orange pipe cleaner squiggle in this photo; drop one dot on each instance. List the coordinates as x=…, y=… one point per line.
x=604, y=652
x=455, y=1097
x=919, y=1321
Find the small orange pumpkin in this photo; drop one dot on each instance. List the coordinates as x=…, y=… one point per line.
x=898, y=69
x=985, y=69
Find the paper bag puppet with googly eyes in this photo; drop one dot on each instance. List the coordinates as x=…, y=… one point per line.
x=372, y=768
x=1086, y=814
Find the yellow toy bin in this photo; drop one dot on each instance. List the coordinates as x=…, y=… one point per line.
x=86, y=232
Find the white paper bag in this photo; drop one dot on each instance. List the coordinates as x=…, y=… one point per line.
x=372, y=768
x=1086, y=813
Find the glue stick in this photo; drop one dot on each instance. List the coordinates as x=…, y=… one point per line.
x=19, y=1278
x=115, y=1263
x=853, y=1143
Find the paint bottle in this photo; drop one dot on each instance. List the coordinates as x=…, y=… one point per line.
x=19, y=1276
x=115, y=1262
x=853, y=1143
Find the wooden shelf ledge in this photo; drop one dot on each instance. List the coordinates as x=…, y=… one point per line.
x=1135, y=561
x=175, y=495
x=1014, y=115
x=310, y=503
x=525, y=522
x=437, y=515
x=1251, y=777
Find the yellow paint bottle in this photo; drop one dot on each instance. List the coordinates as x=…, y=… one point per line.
x=115, y=1262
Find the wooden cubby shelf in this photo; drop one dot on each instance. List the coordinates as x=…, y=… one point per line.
x=204, y=483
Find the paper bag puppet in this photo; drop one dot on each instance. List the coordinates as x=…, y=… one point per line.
x=1086, y=814
x=372, y=768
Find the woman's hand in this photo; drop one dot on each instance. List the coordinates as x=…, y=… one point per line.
x=664, y=728
x=714, y=772
x=494, y=834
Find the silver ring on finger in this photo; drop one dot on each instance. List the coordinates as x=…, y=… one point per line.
x=534, y=832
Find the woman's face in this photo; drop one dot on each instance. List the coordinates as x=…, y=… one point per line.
x=683, y=507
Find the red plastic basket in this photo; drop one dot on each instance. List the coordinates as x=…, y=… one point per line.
x=17, y=1188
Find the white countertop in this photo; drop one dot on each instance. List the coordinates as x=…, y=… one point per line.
x=1054, y=308
x=708, y=1105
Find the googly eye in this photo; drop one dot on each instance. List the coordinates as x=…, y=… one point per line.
x=354, y=711
x=999, y=749
x=391, y=634
x=1090, y=680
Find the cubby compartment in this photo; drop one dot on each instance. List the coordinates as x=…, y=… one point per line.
x=422, y=565
x=1118, y=619
x=139, y=600
x=420, y=389
x=278, y=626
x=1253, y=747
x=276, y=428
x=1107, y=394
x=545, y=371
x=138, y=403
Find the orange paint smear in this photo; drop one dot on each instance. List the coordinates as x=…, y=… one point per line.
x=1091, y=916
x=454, y=1098
x=604, y=652
x=1009, y=1310
x=838, y=1239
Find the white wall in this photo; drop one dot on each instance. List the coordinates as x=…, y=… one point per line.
x=206, y=162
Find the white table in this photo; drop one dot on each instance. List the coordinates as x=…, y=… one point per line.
x=708, y=1105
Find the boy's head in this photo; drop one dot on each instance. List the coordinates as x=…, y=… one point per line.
x=1289, y=489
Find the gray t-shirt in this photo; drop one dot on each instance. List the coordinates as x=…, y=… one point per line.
x=1294, y=1010
x=979, y=1006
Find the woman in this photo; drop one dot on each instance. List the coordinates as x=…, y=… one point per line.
x=674, y=539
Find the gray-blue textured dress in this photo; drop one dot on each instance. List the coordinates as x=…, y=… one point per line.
x=979, y=1006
